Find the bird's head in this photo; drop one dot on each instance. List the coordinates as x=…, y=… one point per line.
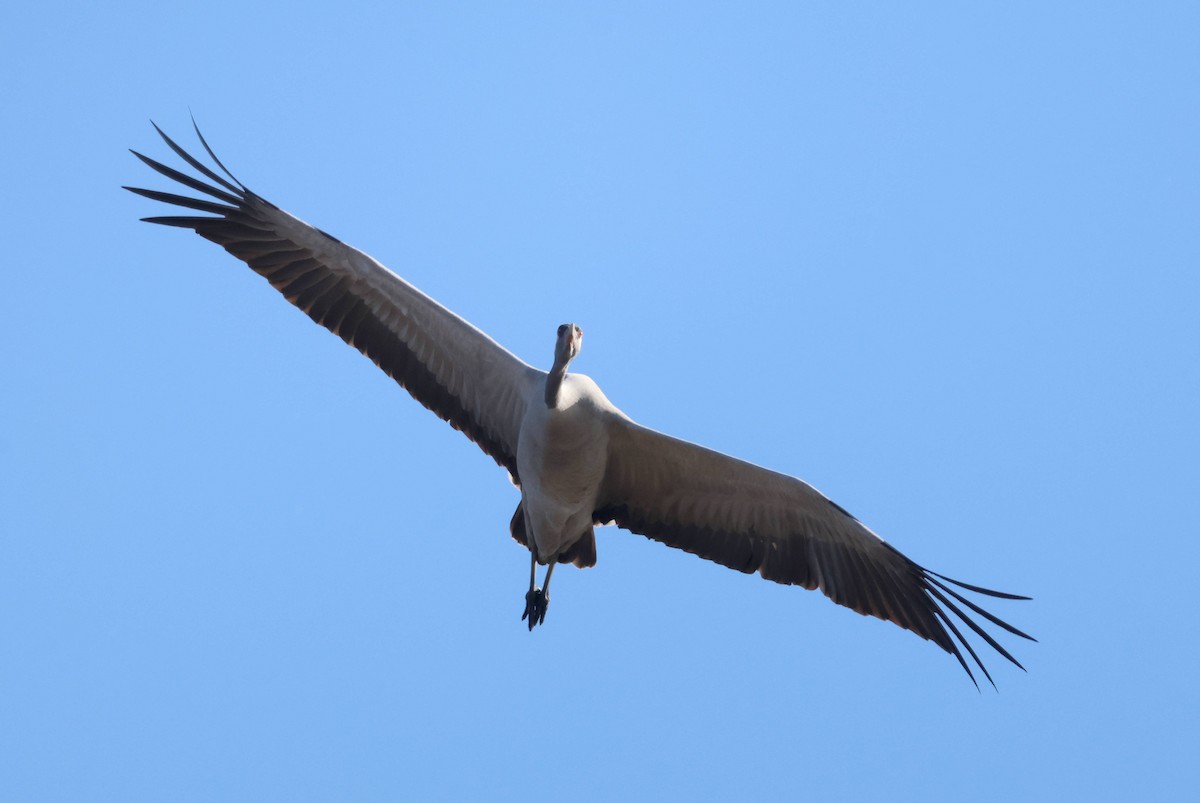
x=568, y=344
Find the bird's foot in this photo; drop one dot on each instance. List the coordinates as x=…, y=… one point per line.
x=536, y=602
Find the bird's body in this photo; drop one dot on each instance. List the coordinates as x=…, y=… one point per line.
x=577, y=459
x=562, y=452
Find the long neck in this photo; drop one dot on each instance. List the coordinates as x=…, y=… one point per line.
x=554, y=380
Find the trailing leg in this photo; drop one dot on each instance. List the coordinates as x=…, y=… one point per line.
x=536, y=599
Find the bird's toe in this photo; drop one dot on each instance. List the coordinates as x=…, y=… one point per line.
x=532, y=598
x=536, y=601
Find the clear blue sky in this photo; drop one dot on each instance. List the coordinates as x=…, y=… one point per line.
x=940, y=262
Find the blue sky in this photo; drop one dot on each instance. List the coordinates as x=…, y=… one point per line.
x=941, y=262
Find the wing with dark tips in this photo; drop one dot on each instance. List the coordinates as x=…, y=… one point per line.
x=447, y=364
x=754, y=520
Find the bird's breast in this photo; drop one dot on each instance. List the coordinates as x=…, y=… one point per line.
x=561, y=457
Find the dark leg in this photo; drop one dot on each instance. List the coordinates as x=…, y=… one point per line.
x=537, y=599
x=545, y=602
x=532, y=597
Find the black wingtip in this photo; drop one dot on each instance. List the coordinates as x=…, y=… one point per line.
x=184, y=201
x=197, y=164
x=980, y=589
x=987, y=615
x=180, y=221
x=979, y=631
x=187, y=180
x=204, y=142
x=947, y=634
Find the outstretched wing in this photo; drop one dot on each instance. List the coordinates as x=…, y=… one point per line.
x=447, y=364
x=755, y=520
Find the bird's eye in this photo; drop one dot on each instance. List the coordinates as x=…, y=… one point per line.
x=580, y=331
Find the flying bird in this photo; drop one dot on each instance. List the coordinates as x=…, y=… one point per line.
x=577, y=460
